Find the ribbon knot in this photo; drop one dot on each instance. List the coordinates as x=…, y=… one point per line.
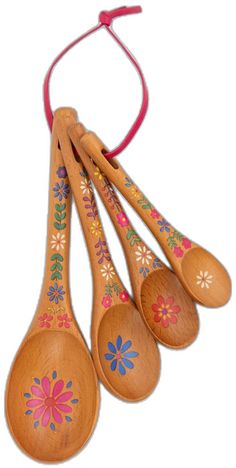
x=105, y=18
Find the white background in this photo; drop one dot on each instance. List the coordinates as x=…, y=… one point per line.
x=184, y=160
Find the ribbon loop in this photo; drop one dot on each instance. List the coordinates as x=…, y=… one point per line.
x=105, y=19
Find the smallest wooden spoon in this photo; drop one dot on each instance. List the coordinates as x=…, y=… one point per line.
x=202, y=275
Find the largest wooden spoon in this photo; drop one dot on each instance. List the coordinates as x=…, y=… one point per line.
x=52, y=395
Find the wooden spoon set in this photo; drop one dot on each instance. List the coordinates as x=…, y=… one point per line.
x=52, y=397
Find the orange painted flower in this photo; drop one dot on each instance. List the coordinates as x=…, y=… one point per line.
x=165, y=311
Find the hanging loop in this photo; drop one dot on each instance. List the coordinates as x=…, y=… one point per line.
x=105, y=20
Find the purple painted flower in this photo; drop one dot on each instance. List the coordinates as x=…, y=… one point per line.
x=56, y=293
x=61, y=190
x=62, y=172
x=164, y=225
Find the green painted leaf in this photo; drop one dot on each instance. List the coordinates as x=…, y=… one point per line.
x=58, y=217
x=57, y=275
x=108, y=290
x=130, y=233
x=53, y=267
x=59, y=266
x=60, y=207
x=60, y=227
x=57, y=256
x=171, y=242
x=117, y=288
x=178, y=235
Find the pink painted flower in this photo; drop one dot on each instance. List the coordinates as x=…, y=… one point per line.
x=155, y=214
x=124, y=296
x=106, y=302
x=186, y=243
x=178, y=252
x=165, y=311
x=44, y=320
x=122, y=219
x=64, y=321
x=49, y=402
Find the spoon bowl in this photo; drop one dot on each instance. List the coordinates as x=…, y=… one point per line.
x=170, y=316
x=51, y=375
x=126, y=363
x=206, y=277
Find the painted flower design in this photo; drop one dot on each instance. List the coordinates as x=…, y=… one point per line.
x=45, y=320
x=156, y=263
x=56, y=293
x=122, y=219
x=155, y=214
x=58, y=241
x=64, y=321
x=120, y=356
x=48, y=402
x=143, y=255
x=86, y=186
x=107, y=301
x=98, y=173
x=204, y=279
x=96, y=228
x=124, y=296
x=135, y=192
x=108, y=271
x=165, y=226
x=61, y=190
x=178, y=252
x=186, y=243
x=144, y=271
x=62, y=172
x=165, y=311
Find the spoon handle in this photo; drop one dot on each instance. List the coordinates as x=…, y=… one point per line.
x=54, y=304
x=173, y=242
x=141, y=260
x=107, y=283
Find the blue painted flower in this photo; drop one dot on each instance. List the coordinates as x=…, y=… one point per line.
x=128, y=182
x=164, y=225
x=61, y=190
x=56, y=293
x=61, y=172
x=157, y=263
x=119, y=356
x=144, y=271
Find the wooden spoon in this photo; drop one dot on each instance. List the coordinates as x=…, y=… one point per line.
x=52, y=395
x=165, y=306
x=202, y=275
x=125, y=354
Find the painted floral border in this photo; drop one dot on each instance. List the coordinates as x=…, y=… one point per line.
x=175, y=239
